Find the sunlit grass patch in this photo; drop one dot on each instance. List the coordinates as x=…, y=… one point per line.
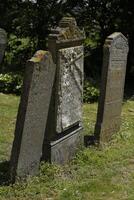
x=105, y=173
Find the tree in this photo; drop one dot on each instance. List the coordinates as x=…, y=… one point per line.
x=34, y=19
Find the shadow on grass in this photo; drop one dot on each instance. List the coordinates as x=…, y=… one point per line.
x=4, y=173
x=129, y=89
x=89, y=140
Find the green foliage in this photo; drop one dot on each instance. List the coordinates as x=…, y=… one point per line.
x=27, y=18
x=33, y=19
x=92, y=43
x=91, y=93
x=18, y=51
x=10, y=83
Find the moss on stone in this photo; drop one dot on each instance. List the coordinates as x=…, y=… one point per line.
x=38, y=56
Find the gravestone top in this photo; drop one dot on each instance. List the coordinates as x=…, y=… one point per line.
x=118, y=40
x=3, y=41
x=115, y=35
x=67, y=30
x=39, y=56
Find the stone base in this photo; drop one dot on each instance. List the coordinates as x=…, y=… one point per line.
x=104, y=134
x=63, y=149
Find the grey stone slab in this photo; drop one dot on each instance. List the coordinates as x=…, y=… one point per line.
x=70, y=88
x=32, y=115
x=66, y=45
x=112, y=86
x=3, y=42
x=62, y=150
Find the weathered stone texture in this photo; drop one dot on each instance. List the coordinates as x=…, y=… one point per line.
x=3, y=42
x=70, y=87
x=112, y=88
x=63, y=149
x=65, y=114
x=32, y=115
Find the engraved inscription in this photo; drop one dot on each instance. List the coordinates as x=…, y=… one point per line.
x=110, y=104
x=113, y=94
x=115, y=78
x=69, y=108
x=118, y=54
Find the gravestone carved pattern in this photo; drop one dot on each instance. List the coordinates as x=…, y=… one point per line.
x=65, y=114
x=70, y=87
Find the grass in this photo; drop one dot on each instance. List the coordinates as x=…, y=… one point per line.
x=94, y=174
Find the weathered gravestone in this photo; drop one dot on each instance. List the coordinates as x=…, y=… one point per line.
x=112, y=87
x=3, y=42
x=32, y=115
x=63, y=131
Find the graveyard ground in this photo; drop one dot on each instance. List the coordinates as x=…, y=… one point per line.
x=94, y=174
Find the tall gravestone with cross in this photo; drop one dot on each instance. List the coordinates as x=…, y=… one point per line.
x=3, y=42
x=112, y=86
x=63, y=131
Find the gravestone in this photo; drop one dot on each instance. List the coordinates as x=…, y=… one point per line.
x=63, y=131
x=32, y=115
x=112, y=86
x=3, y=42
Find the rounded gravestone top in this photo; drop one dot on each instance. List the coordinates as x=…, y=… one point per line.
x=118, y=40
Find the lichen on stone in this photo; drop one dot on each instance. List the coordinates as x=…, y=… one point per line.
x=38, y=56
x=67, y=30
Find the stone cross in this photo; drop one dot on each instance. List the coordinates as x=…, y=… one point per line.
x=112, y=86
x=3, y=42
x=63, y=131
x=32, y=115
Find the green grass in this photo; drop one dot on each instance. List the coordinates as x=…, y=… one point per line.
x=8, y=111
x=94, y=174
